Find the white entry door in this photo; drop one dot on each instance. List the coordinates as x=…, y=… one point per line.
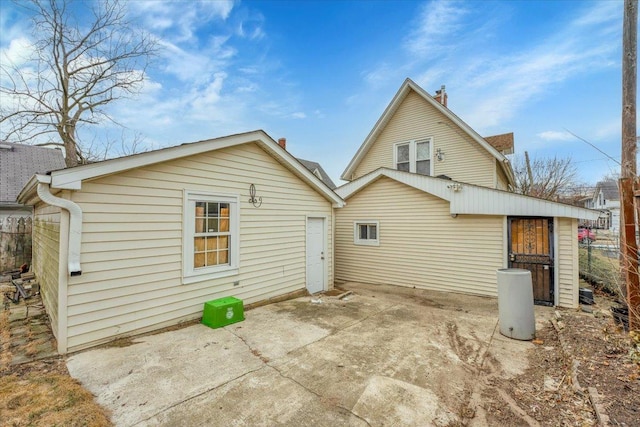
x=315, y=255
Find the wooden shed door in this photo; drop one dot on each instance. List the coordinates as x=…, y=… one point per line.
x=530, y=247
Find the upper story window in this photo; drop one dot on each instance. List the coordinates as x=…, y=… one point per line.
x=414, y=156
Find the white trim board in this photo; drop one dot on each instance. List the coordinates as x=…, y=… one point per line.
x=471, y=199
x=72, y=178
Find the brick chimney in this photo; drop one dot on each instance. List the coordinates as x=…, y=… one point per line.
x=441, y=96
x=282, y=142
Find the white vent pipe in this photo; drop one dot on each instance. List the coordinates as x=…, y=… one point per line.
x=75, y=225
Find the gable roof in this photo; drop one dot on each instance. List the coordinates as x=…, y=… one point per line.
x=19, y=162
x=503, y=142
x=72, y=178
x=315, y=166
x=408, y=86
x=609, y=190
x=471, y=199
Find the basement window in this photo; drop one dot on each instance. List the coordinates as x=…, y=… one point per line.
x=210, y=236
x=366, y=233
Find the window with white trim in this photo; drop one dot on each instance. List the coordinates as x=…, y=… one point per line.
x=414, y=156
x=210, y=236
x=366, y=233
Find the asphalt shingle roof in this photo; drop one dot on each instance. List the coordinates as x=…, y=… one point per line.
x=609, y=190
x=503, y=142
x=19, y=162
x=312, y=166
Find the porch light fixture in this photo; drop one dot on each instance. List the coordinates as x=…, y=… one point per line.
x=456, y=186
x=255, y=201
x=439, y=154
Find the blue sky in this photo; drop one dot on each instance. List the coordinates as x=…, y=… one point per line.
x=321, y=73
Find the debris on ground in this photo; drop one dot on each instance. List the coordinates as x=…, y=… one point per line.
x=35, y=386
x=583, y=370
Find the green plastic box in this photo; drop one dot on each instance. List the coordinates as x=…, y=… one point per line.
x=222, y=312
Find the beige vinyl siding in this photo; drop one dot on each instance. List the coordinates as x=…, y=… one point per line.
x=502, y=181
x=421, y=245
x=46, y=257
x=568, y=285
x=132, y=242
x=465, y=160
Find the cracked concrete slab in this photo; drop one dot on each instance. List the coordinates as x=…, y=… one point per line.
x=287, y=404
x=387, y=356
x=390, y=402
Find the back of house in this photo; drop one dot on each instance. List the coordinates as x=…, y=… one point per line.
x=430, y=205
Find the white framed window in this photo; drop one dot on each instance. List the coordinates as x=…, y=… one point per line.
x=210, y=236
x=366, y=233
x=414, y=156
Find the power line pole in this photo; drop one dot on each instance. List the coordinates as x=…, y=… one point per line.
x=628, y=173
x=529, y=173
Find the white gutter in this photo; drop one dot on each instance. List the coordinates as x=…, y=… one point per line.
x=75, y=224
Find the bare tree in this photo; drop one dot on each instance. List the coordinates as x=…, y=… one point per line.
x=546, y=178
x=77, y=67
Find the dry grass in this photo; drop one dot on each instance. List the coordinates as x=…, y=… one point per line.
x=5, y=338
x=49, y=399
x=602, y=269
x=42, y=393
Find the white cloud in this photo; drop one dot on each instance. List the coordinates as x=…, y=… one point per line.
x=454, y=44
x=204, y=99
x=433, y=32
x=380, y=75
x=554, y=135
x=298, y=115
x=18, y=52
x=507, y=83
x=180, y=20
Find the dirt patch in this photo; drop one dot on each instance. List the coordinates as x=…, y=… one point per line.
x=334, y=292
x=603, y=350
x=543, y=394
x=546, y=393
x=40, y=392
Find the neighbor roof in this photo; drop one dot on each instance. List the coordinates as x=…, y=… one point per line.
x=19, y=162
x=388, y=113
x=471, y=199
x=72, y=178
x=609, y=190
x=315, y=166
x=503, y=142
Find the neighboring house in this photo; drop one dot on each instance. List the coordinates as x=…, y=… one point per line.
x=426, y=207
x=606, y=198
x=138, y=243
x=317, y=170
x=314, y=167
x=18, y=163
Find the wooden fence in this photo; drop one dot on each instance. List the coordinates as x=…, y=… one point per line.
x=15, y=242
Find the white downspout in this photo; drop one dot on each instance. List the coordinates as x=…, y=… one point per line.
x=75, y=225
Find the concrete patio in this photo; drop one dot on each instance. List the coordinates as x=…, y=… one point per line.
x=383, y=356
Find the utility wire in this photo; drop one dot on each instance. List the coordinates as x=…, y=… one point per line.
x=585, y=141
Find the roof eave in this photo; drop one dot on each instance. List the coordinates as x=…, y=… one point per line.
x=392, y=107
x=380, y=123
x=456, y=193
x=29, y=189
x=72, y=179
